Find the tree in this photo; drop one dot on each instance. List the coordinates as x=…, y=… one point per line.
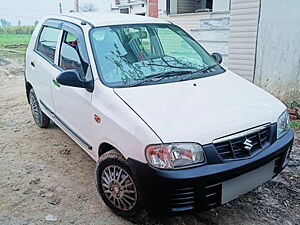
x=88, y=7
x=36, y=23
x=19, y=22
x=5, y=23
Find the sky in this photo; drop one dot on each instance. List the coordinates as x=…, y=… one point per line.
x=28, y=11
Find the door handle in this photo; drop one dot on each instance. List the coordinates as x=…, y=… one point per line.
x=32, y=63
x=55, y=83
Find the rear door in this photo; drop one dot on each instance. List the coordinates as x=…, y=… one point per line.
x=73, y=105
x=42, y=65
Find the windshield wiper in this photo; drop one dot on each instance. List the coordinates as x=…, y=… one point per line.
x=162, y=75
x=196, y=73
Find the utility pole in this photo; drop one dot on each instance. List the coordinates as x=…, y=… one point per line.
x=76, y=5
x=60, y=8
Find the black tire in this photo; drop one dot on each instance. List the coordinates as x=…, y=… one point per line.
x=113, y=161
x=39, y=117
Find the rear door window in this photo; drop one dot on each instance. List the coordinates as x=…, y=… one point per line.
x=47, y=42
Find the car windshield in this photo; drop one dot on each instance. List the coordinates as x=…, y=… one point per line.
x=145, y=54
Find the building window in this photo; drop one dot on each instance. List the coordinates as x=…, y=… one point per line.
x=188, y=6
x=124, y=10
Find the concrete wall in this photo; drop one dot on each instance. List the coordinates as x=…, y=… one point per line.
x=278, y=49
x=213, y=34
x=187, y=21
x=211, y=30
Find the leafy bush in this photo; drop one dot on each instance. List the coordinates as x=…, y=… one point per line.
x=294, y=105
x=295, y=124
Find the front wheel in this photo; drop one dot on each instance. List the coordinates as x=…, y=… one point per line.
x=116, y=186
x=39, y=117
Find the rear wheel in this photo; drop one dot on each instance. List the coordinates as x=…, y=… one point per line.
x=39, y=117
x=117, y=187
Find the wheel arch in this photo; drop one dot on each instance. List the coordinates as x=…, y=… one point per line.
x=105, y=147
x=28, y=87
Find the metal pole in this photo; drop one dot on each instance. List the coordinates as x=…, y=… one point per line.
x=168, y=7
x=60, y=8
x=76, y=5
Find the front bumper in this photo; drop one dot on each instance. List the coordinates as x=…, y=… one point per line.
x=199, y=188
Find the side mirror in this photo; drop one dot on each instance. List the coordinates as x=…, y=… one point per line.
x=217, y=57
x=70, y=78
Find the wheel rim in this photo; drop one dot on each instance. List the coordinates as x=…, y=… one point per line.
x=119, y=187
x=35, y=109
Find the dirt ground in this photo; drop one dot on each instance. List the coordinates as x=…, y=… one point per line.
x=44, y=174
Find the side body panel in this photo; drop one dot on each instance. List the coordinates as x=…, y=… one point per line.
x=120, y=126
x=39, y=71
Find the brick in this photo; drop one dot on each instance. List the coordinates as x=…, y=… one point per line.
x=298, y=113
x=292, y=111
x=153, y=8
x=293, y=117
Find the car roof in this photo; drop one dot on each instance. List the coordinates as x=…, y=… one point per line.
x=101, y=19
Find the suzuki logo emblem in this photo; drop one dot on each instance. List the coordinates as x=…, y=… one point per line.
x=248, y=145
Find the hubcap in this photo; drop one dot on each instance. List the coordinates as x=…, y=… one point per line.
x=119, y=188
x=35, y=109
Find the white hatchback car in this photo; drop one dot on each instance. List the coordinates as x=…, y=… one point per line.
x=170, y=128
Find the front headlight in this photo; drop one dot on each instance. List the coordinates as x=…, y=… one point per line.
x=283, y=124
x=175, y=155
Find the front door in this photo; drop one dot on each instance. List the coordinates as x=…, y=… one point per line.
x=73, y=105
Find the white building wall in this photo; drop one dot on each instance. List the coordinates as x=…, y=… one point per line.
x=135, y=7
x=278, y=49
x=138, y=9
x=221, y=5
x=162, y=7
x=244, y=15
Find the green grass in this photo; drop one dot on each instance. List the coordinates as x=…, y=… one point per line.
x=14, y=39
x=295, y=124
x=295, y=105
x=14, y=45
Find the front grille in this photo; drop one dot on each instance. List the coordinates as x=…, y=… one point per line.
x=236, y=147
x=278, y=165
x=195, y=197
x=182, y=199
x=213, y=195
